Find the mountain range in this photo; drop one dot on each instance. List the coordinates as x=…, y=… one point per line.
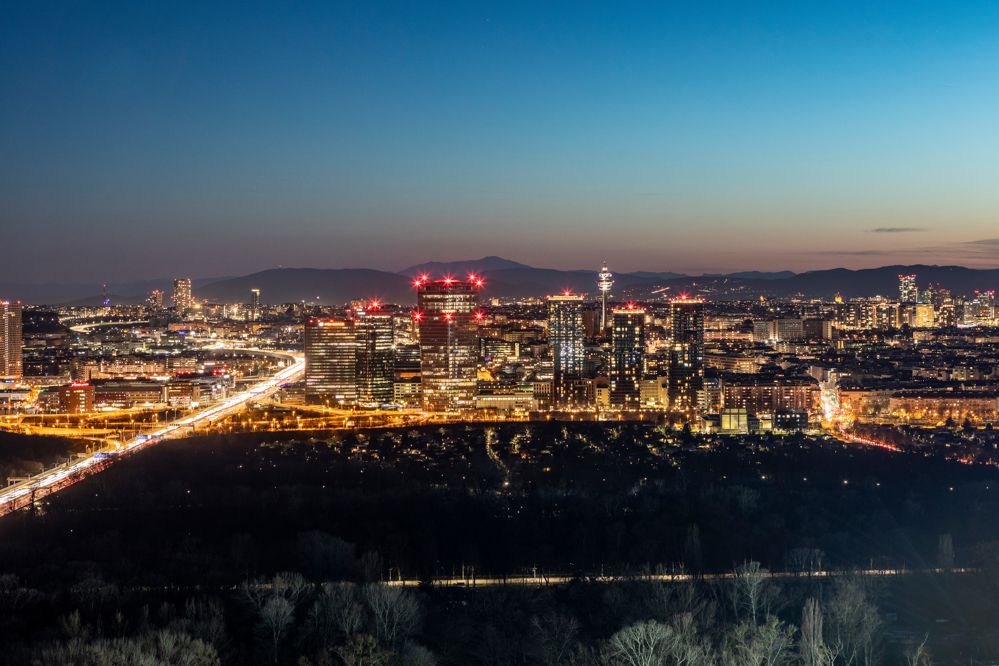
x=513, y=279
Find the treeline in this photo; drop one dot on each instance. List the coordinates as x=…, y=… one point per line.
x=747, y=619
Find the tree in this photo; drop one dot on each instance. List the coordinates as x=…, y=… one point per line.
x=811, y=646
x=919, y=656
x=555, y=635
x=768, y=644
x=275, y=602
x=335, y=614
x=852, y=623
x=395, y=613
x=641, y=644
x=752, y=591
x=363, y=650
x=275, y=616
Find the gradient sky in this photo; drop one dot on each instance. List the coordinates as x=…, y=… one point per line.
x=147, y=139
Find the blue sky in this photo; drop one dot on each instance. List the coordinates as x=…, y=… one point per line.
x=154, y=139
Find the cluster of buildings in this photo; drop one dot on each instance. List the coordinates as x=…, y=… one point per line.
x=923, y=358
x=451, y=357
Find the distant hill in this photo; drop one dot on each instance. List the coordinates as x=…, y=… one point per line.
x=513, y=279
x=489, y=264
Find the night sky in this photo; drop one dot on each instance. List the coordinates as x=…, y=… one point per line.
x=151, y=139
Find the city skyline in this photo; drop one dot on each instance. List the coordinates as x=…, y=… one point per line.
x=697, y=139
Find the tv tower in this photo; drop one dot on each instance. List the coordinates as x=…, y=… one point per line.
x=605, y=280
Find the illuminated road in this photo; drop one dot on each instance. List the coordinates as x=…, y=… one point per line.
x=26, y=492
x=565, y=579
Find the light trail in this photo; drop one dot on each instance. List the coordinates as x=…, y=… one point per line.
x=541, y=580
x=26, y=492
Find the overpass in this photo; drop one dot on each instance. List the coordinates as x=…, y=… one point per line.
x=27, y=491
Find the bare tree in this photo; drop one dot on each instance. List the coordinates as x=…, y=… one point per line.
x=335, y=613
x=919, y=656
x=395, y=613
x=652, y=643
x=812, y=648
x=275, y=616
x=852, y=623
x=767, y=644
x=363, y=650
x=641, y=644
x=556, y=637
x=753, y=592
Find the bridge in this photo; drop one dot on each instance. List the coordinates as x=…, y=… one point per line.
x=28, y=491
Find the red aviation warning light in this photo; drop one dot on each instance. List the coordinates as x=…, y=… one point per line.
x=374, y=304
x=420, y=280
x=418, y=316
x=476, y=280
x=448, y=280
x=567, y=292
x=448, y=316
x=479, y=315
x=630, y=305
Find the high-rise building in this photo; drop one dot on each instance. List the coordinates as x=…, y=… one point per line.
x=448, y=317
x=330, y=362
x=155, y=299
x=254, y=304
x=907, y=290
x=182, y=298
x=627, y=360
x=605, y=280
x=374, y=332
x=11, y=341
x=686, y=362
x=565, y=340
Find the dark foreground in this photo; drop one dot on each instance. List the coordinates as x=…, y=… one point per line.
x=154, y=554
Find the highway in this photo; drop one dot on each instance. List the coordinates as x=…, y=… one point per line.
x=26, y=492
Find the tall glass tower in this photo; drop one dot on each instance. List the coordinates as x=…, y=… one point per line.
x=448, y=319
x=627, y=360
x=686, y=360
x=565, y=340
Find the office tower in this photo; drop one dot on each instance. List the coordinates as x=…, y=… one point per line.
x=330, y=362
x=605, y=280
x=686, y=363
x=11, y=341
x=155, y=299
x=565, y=340
x=447, y=315
x=254, y=304
x=982, y=308
x=375, y=368
x=627, y=361
x=907, y=291
x=182, y=299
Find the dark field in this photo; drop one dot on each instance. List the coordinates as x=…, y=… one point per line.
x=198, y=517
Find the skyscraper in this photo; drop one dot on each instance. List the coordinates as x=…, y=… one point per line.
x=627, y=361
x=330, y=362
x=181, y=297
x=686, y=362
x=254, y=304
x=11, y=341
x=447, y=315
x=565, y=340
x=155, y=299
x=375, y=354
x=907, y=290
x=605, y=280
